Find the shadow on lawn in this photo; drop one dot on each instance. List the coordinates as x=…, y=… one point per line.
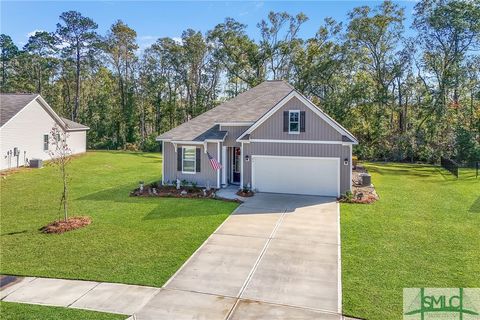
x=428, y=173
x=133, y=153
x=164, y=208
x=13, y=233
x=475, y=208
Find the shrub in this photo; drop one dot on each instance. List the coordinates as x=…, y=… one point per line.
x=354, y=161
x=131, y=147
x=150, y=144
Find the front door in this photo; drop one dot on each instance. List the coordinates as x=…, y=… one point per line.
x=236, y=158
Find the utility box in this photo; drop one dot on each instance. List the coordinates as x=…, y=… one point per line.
x=366, y=179
x=36, y=163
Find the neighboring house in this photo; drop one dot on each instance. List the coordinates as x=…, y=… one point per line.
x=269, y=138
x=25, y=124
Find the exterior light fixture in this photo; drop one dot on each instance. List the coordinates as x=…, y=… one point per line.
x=247, y=158
x=345, y=161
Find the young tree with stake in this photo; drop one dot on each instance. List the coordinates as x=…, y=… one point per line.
x=60, y=153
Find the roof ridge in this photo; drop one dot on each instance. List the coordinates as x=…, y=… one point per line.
x=19, y=94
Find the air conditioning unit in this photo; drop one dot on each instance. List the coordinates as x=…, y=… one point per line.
x=36, y=163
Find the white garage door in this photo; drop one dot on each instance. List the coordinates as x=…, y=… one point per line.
x=296, y=175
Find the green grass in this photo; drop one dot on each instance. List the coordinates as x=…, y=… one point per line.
x=131, y=240
x=424, y=232
x=18, y=311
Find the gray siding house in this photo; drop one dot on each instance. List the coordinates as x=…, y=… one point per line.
x=269, y=138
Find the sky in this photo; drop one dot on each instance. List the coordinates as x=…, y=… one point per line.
x=155, y=19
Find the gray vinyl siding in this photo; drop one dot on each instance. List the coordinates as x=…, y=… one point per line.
x=206, y=175
x=315, y=127
x=233, y=133
x=298, y=150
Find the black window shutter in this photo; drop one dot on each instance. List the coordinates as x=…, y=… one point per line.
x=302, y=121
x=285, y=121
x=198, y=159
x=179, y=159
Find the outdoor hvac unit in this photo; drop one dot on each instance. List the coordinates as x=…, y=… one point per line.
x=36, y=163
x=366, y=179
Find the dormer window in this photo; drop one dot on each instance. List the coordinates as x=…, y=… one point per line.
x=294, y=121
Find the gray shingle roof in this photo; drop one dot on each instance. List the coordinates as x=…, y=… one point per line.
x=71, y=125
x=213, y=133
x=11, y=104
x=248, y=106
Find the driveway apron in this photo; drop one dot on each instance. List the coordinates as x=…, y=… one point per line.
x=276, y=256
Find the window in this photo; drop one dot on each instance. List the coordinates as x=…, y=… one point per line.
x=189, y=159
x=45, y=142
x=294, y=122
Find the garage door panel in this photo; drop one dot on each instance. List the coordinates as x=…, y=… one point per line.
x=296, y=175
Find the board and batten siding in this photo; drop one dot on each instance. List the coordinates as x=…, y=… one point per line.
x=233, y=133
x=25, y=131
x=206, y=176
x=298, y=150
x=315, y=127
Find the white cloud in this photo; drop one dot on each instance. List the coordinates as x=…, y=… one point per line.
x=259, y=4
x=177, y=40
x=62, y=45
x=145, y=41
x=32, y=33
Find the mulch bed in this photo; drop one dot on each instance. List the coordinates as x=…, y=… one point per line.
x=172, y=192
x=245, y=194
x=360, y=193
x=62, y=226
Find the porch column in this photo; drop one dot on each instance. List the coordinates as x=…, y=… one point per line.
x=241, y=165
x=224, y=165
x=218, y=159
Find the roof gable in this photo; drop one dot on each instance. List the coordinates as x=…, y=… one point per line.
x=11, y=104
x=295, y=94
x=316, y=128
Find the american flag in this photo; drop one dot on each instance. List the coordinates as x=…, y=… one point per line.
x=215, y=164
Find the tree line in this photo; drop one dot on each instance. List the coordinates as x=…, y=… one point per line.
x=406, y=98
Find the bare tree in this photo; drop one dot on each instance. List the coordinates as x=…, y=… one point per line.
x=60, y=153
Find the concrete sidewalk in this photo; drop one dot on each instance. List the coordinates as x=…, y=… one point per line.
x=89, y=295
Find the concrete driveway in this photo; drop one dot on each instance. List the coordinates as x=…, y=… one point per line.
x=276, y=257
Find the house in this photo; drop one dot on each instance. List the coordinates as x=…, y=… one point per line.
x=269, y=138
x=25, y=124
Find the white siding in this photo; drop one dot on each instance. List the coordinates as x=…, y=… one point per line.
x=77, y=141
x=25, y=131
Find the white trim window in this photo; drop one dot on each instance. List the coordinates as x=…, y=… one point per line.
x=294, y=121
x=189, y=160
x=45, y=142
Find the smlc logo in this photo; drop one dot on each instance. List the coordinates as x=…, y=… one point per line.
x=441, y=303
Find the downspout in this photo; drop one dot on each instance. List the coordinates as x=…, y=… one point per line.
x=350, y=172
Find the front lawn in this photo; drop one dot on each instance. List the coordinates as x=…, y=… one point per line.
x=131, y=240
x=424, y=232
x=20, y=311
